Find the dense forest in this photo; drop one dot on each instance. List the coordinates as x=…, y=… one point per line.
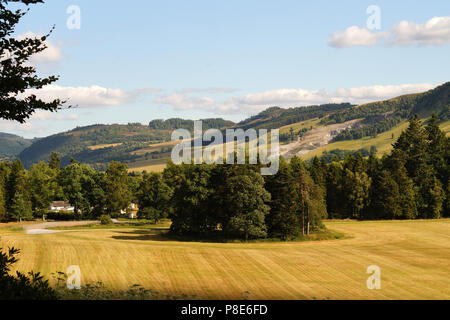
x=382, y=116
x=411, y=182
x=178, y=123
x=235, y=201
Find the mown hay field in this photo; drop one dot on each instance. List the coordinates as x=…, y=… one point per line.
x=414, y=258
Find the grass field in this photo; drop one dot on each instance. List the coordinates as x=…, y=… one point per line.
x=414, y=257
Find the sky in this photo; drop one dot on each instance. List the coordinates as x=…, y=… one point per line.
x=135, y=61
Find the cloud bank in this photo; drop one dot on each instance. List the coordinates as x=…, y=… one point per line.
x=88, y=97
x=255, y=102
x=434, y=32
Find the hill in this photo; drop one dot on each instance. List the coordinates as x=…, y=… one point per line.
x=305, y=131
x=11, y=145
x=99, y=144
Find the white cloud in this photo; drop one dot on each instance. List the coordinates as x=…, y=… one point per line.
x=47, y=115
x=255, y=102
x=353, y=37
x=36, y=125
x=181, y=101
x=87, y=97
x=435, y=31
x=208, y=90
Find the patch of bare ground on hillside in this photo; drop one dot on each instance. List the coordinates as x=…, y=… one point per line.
x=315, y=138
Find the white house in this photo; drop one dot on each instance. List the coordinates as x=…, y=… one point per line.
x=58, y=206
x=131, y=211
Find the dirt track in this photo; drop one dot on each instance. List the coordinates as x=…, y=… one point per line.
x=314, y=139
x=41, y=228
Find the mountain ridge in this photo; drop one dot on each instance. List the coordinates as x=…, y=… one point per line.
x=98, y=144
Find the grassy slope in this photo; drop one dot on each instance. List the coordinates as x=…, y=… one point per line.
x=414, y=257
x=300, y=125
x=383, y=141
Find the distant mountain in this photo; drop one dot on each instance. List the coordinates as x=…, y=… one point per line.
x=11, y=145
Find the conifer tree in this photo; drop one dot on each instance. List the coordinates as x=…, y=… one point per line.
x=384, y=198
x=17, y=189
x=413, y=142
x=395, y=164
x=282, y=220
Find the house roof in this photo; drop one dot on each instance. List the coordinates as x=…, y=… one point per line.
x=60, y=204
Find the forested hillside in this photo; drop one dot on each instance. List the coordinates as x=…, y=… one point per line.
x=11, y=145
x=276, y=117
x=100, y=144
x=140, y=145
x=382, y=116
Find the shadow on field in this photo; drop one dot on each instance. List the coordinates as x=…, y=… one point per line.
x=149, y=235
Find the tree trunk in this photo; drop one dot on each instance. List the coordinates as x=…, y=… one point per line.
x=303, y=212
x=308, y=222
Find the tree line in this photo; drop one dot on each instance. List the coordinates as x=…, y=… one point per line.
x=235, y=201
x=411, y=182
x=232, y=201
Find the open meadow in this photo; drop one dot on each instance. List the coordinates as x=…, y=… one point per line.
x=414, y=257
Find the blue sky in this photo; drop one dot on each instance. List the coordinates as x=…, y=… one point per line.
x=147, y=60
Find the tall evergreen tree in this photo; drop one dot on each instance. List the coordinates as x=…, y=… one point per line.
x=439, y=153
x=17, y=189
x=395, y=164
x=334, y=193
x=356, y=186
x=384, y=198
x=413, y=142
x=282, y=220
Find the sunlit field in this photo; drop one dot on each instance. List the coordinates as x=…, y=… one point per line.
x=414, y=258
